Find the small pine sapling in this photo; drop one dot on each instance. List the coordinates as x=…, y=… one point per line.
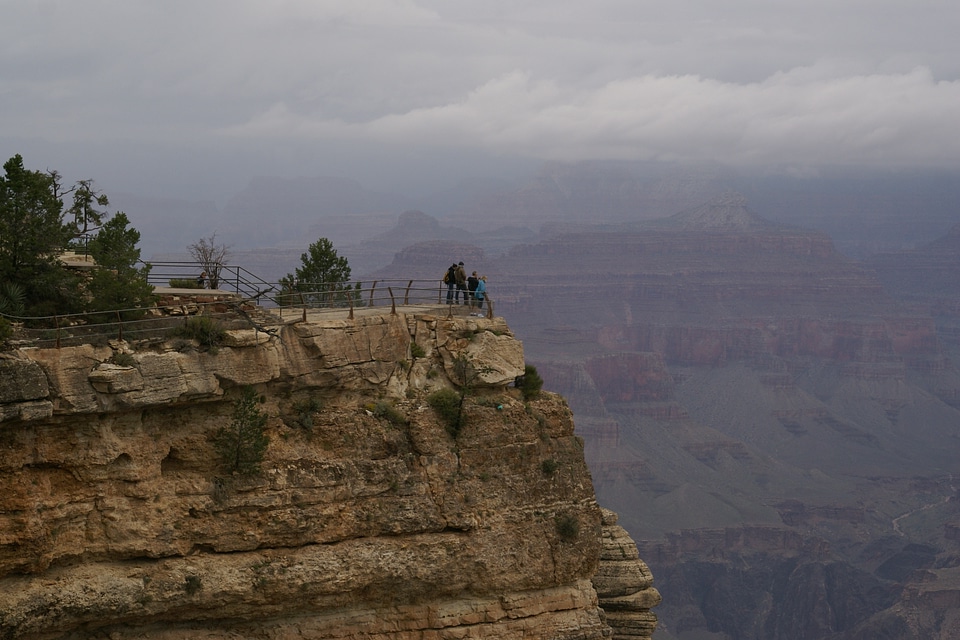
x=243, y=443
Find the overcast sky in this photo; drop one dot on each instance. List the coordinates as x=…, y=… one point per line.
x=199, y=95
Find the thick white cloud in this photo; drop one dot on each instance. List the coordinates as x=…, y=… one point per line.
x=796, y=118
x=749, y=81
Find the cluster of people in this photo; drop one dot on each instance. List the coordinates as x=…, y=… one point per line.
x=473, y=288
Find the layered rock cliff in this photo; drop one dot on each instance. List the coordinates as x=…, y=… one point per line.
x=370, y=517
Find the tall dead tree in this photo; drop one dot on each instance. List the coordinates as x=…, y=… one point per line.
x=210, y=256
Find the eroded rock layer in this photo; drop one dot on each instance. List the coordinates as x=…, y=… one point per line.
x=624, y=584
x=371, y=516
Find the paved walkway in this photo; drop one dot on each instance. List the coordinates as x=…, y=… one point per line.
x=338, y=313
x=184, y=292
x=288, y=314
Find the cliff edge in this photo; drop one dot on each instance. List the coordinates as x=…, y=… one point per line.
x=369, y=518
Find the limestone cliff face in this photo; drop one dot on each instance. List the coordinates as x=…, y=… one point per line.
x=118, y=520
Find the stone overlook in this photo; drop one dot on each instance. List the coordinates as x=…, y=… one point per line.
x=370, y=518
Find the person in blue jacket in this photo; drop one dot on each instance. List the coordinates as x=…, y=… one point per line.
x=481, y=293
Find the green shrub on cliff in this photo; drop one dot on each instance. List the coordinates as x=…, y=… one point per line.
x=390, y=413
x=304, y=410
x=448, y=403
x=242, y=445
x=530, y=382
x=184, y=283
x=203, y=329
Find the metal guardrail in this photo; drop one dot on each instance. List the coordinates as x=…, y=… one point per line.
x=376, y=293
x=124, y=324
x=161, y=321
x=232, y=278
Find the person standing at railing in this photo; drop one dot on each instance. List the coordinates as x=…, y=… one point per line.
x=461, y=284
x=202, y=280
x=481, y=293
x=450, y=279
x=472, y=287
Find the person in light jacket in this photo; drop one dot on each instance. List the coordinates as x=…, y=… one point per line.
x=481, y=293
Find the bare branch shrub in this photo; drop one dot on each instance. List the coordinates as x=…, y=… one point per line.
x=211, y=257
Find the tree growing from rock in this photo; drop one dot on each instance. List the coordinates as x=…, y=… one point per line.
x=242, y=445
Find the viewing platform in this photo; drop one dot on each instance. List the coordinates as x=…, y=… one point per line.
x=268, y=308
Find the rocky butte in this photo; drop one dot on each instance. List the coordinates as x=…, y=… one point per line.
x=370, y=518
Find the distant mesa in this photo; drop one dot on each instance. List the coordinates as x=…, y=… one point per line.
x=416, y=226
x=418, y=220
x=422, y=259
x=727, y=212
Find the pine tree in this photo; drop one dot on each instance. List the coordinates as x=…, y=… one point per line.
x=243, y=444
x=118, y=283
x=321, y=279
x=32, y=235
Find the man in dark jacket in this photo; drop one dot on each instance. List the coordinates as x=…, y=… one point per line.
x=461, y=284
x=471, y=287
x=450, y=279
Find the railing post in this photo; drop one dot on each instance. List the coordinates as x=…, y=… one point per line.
x=489, y=308
x=350, y=302
x=56, y=323
x=393, y=303
x=373, y=288
x=119, y=327
x=406, y=295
